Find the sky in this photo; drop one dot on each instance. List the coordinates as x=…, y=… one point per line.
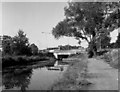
x=36, y=19
x=114, y=35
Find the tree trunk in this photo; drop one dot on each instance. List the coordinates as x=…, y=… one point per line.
x=92, y=47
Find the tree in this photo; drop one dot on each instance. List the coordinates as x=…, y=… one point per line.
x=34, y=49
x=87, y=21
x=20, y=44
x=7, y=45
x=105, y=42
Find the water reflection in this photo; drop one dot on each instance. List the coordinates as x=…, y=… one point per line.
x=20, y=80
x=58, y=66
x=23, y=79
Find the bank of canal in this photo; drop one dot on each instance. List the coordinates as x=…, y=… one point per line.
x=33, y=77
x=74, y=78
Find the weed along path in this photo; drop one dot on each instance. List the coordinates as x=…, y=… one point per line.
x=101, y=75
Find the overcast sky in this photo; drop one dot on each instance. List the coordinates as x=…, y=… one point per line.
x=35, y=18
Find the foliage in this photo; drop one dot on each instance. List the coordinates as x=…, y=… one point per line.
x=8, y=61
x=105, y=42
x=88, y=21
x=112, y=57
x=67, y=47
x=34, y=49
x=107, y=57
x=7, y=45
x=112, y=45
x=118, y=41
x=20, y=44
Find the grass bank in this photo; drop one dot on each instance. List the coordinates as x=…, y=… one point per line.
x=74, y=77
x=112, y=57
x=8, y=61
x=21, y=68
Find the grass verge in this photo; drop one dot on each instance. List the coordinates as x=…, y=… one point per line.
x=112, y=57
x=74, y=77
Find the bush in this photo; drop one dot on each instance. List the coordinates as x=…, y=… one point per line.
x=20, y=60
x=112, y=57
x=107, y=57
x=115, y=57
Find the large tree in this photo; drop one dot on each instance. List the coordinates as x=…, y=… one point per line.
x=20, y=44
x=88, y=21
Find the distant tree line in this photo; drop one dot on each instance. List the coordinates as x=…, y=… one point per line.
x=18, y=45
x=68, y=47
x=65, y=47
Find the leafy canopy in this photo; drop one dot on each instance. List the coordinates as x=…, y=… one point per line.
x=88, y=20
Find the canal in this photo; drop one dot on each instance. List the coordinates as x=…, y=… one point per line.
x=37, y=78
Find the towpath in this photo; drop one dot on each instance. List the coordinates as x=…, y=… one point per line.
x=101, y=75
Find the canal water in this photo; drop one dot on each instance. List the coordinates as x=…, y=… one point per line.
x=40, y=78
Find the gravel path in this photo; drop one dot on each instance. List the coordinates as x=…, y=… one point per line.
x=101, y=75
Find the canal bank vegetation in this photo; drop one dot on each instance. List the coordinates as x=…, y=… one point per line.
x=74, y=77
x=113, y=57
x=18, y=51
x=21, y=60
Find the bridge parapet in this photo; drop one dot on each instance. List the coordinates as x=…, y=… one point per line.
x=64, y=53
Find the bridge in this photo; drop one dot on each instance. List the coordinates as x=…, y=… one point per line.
x=60, y=54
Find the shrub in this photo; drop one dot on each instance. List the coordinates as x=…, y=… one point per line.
x=112, y=57
x=107, y=57
x=20, y=60
x=115, y=57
